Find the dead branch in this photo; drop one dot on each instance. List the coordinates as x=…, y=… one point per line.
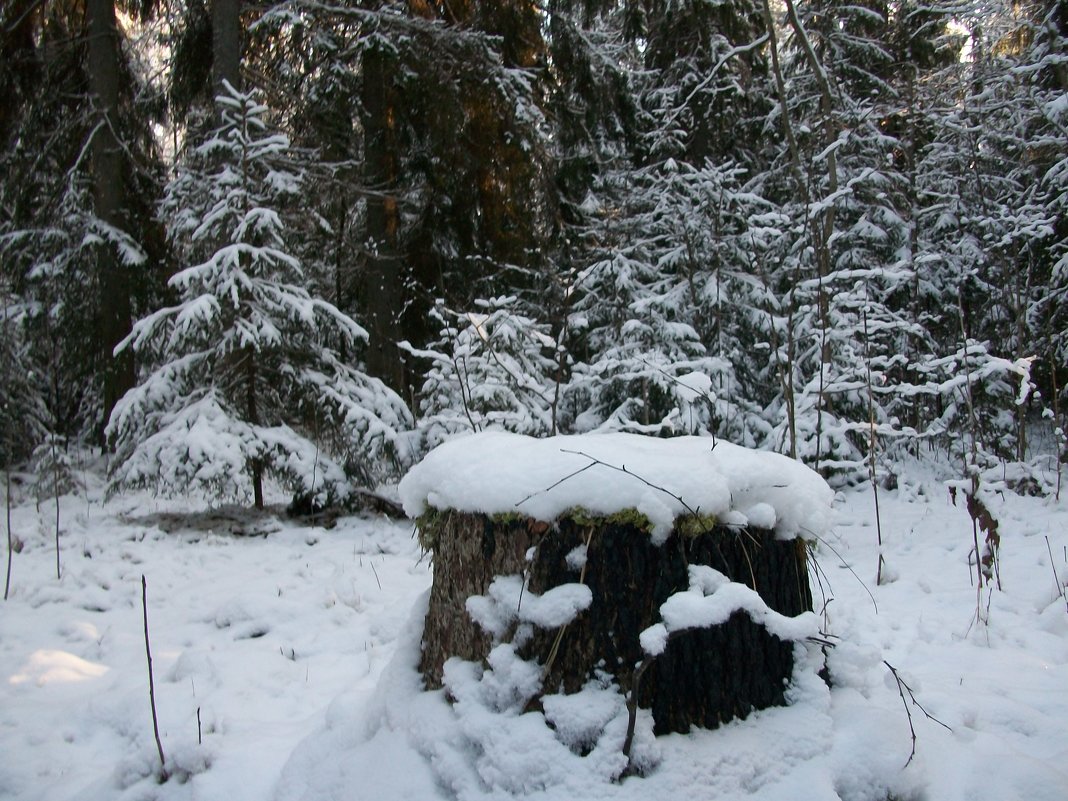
x=902, y=688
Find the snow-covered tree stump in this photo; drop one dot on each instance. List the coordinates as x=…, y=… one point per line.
x=672, y=568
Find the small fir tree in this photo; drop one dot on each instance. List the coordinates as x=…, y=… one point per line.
x=490, y=368
x=53, y=470
x=243, y=374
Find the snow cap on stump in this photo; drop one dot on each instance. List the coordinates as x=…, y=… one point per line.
x=501, y=473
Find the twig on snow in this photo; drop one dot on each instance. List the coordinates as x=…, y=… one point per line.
x=377, y=580
x=623, y=469
x=902, y=688
x=553, y=486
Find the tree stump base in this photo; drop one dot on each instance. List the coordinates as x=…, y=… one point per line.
x=704, y=677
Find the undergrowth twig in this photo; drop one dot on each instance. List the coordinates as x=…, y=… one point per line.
x=10, y=542
x=847, y=566
x=1056, y=578
x=902, y=688
x=151, y=683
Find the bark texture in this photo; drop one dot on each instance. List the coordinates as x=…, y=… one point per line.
x=226, y=44
x=381, y=289
x=704, y=678
x=109, y=199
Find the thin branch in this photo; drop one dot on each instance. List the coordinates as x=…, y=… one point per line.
x=1061, y=441
x=847, y=566
x=872, y=440
x=902, y=688
x=694, y=513
x=377, y=580
x=151, y=683
x=10, y=542
x=463, y=378
x=734, y=51
x=560, y=633
x=1056, y=578
x=14, y=24
x=557, y=484
x=623, y=469
x=632, y=701
x=821, y=575
x=55, y=490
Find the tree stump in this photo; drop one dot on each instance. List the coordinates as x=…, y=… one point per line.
x=704, y=677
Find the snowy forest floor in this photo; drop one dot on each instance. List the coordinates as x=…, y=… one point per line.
x=283, y=661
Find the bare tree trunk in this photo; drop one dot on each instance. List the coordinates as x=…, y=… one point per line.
x=225, y=43
x=802, y=188
x=109, y=197
x=381, y=281
x=823, y=228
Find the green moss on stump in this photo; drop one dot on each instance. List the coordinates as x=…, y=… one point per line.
x=430, y=523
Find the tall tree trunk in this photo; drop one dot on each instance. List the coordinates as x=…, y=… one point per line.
x=226, y=43
x=109, y=198
x=823, y=226
x=787, y=371
x=381, y=285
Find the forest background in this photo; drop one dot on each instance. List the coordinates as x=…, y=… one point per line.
x=312, y=239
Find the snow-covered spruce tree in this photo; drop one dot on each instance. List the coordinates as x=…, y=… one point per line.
x=82, y=174
x=431, y=117
x=53, y=469
x=669, y=297
x=838, y=263
x=1043, y=76
x=51, y=256
x=664, y=294
x=242, y=375
x=975, y=220
x=493, y=368
x=632, y=343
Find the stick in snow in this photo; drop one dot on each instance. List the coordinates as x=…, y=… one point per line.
x=151, y=684
x=10, y=545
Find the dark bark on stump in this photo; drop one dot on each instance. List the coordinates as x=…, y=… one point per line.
x=703, y=678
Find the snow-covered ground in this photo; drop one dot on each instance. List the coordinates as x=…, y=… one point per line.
x=284, y=669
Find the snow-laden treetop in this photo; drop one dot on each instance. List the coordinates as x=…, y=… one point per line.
x=496, y=472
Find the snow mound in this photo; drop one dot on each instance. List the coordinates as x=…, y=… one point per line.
x=497, y=472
